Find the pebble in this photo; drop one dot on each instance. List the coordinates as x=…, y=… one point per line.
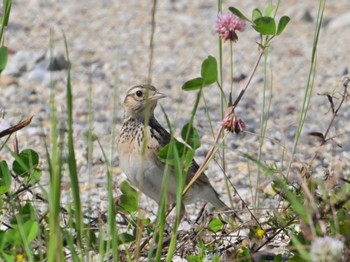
x=8, y=80
x=340, y=22
x=22, y=61
x=39, y=75
x=58, y=63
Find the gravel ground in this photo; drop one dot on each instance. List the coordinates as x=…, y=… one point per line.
x=109, y=50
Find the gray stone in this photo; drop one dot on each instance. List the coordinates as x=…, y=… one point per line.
x=40, y=75
x=340, y=22
x=342, y=71
x=23, y=61
x=58, y=63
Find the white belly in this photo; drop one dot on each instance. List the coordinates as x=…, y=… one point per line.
x=144, y=174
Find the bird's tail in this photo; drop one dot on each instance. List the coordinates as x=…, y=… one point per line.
x=219, y=204
x=222, y=207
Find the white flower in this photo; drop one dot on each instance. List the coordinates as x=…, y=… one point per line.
x=326, y=249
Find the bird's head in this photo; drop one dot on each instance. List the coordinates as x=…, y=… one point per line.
x=137, y=99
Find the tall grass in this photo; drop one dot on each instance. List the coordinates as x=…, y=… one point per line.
x=54, y=159
x=72, y=163
x=311, y=75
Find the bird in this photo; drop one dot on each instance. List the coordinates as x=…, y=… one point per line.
x=143, y=168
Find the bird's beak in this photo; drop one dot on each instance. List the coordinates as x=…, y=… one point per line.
x=156, y=96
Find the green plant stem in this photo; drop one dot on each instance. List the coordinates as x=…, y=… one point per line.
x=205, y=162
x=218, y=134
x=208, y=115
x=263, y=124
x=311, y=76
x=231, y=67
x=249, y=78
x=223, y=150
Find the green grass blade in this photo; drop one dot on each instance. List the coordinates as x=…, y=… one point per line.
x=179, y=188
x=311, y=76
x=6, y=12
x=55, y=249
x=160, y=222
x=111, y=217
x=69, y=237
x=7, y=4
x=111, y=221
x=265, y=110
x=101, y=242
x=72, y=164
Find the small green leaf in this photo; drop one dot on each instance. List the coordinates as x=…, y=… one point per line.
x=26, y=213
x=126, y=238
x=129, y=198
x=215, y=225
x=265, y=25
x=26, y=162
x=5, y=178
x=166, y=153
x=244, y=254
x=216, y=258
x=29, y=226
x=190, y=135
x=282, y=24
x=209, y=71
x=238, y=13
x=256, y=14
x=268, y=10
x=11, y=237
x=26, y=221
x=296, y=203
x=189, y=159
x=278, y=258
x=35, y=176
x=3, y=57
x=193, y=84
x=343, y=222
x=7, y=257
x=30, y=229
x=194, y=259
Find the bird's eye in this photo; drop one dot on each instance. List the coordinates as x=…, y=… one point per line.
x=139, y=93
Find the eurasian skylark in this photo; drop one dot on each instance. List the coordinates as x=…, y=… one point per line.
x=144, y=170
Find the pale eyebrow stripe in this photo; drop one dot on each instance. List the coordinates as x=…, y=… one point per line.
x=134, y=87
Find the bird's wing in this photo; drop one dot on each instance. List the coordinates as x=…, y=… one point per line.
x=165, y=139
x=162, y=135
x=202, y=179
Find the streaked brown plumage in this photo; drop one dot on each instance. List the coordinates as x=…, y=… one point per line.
x=146, y=172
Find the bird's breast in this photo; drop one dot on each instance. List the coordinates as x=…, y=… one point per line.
x=134, y=159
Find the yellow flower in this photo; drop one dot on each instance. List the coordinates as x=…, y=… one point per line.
x=20, y=258
x=240, y=251
x=260, y=233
